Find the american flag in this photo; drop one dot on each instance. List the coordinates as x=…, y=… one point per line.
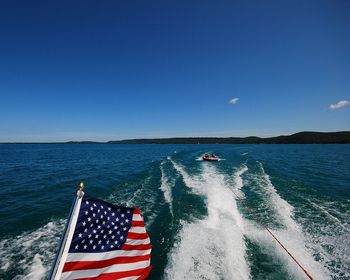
x=109, y=242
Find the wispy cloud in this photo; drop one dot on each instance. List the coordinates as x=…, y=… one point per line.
x=339, y=105
x=234, y=101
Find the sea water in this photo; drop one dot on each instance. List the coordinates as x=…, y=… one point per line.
x=195, y=212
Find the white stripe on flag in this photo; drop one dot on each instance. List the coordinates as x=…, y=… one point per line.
x=137, y=230
x=137, y=217
x=79, y=274
x=76, y=257
x=137, y=241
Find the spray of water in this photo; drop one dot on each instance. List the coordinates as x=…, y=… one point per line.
x=329, y=215
x=238, y=181
x=327, y=232
x=292, y=234
x=31, y=254
x=214, y=247
x=140, y=195
x=166, y=183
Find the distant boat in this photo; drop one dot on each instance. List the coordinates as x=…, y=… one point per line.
x=211, y=157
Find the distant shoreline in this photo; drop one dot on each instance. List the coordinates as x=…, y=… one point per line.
x=305, y=137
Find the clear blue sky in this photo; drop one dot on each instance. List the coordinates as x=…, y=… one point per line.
x=102, y=70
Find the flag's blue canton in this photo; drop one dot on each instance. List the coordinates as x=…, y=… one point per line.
x=100, y=227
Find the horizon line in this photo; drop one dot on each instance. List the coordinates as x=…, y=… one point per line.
x=164, y=138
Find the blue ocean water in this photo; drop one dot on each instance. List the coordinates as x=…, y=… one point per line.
x=199, y=227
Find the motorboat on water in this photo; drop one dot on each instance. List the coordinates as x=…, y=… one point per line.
x=211, y=157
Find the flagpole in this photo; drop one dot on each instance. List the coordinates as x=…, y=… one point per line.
x=62, y=253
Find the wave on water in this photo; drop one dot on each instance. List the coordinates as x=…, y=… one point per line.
x=165, y=186
x=291, y=236
x=325, y=211
x=30, y=255
x=238, y=176
x=193, y=182
x=214, y=247
x=282, y=208
x=330, y=237
x=140, y=194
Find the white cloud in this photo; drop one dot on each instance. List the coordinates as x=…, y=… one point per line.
x=339, y=105
x=234, y=101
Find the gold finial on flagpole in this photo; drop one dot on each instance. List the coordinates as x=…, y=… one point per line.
x=81, y=186
x=80, y=192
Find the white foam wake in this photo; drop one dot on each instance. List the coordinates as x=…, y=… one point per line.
x=165, y=186
x=282, y=208
x=330, y=237
x=329, y=215
x=140, y=195
x=238, y=176
x=292, y=236
x=214, y=247
x=31, y=253
x=194, y=182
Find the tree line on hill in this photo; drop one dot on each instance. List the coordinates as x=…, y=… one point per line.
x=341, y=137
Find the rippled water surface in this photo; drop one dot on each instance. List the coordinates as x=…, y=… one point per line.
x=196, y=212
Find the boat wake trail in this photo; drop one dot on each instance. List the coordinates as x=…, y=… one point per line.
x=30, y=255
x=291, y=234
x=328, y=233
x=140, y=194
x=329, y=215
x=214, y=247
x=165, y=185
x=238, y=181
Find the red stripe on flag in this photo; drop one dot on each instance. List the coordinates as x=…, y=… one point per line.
x=127, y=247
x=138, y=224
x=137, y=211
x=133, y=235
x=145, y=273
x=82, y=265
x=117, y=275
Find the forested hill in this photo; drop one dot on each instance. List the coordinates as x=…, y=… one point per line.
x=307, y=137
